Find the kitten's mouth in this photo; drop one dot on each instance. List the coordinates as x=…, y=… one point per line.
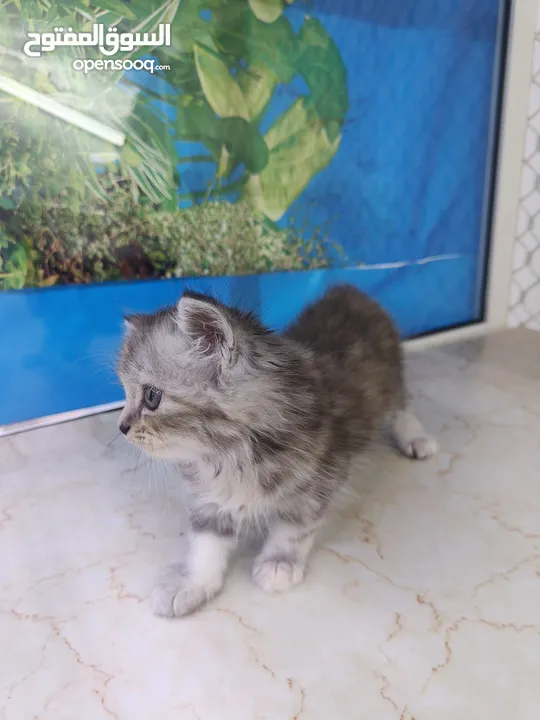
x=141, y=441
x=149, y=445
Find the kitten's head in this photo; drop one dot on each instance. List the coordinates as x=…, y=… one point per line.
x=191, y=373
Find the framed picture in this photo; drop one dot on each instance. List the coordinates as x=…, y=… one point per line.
x=258, y=151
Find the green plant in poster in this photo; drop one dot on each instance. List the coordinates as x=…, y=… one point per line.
x=226, y=62
x=121, y=239
x=228, y=67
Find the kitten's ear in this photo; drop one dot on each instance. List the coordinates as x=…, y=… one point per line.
x=133, y=322
x=207, y=326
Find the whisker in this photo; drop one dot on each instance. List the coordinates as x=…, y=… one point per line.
x=164, y=471
x=111, y=443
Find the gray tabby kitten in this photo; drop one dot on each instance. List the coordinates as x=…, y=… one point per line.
x=262, y=425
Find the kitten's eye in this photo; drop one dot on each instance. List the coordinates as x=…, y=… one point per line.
x=152, y=398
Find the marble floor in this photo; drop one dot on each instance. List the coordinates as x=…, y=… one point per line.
x=422, y=601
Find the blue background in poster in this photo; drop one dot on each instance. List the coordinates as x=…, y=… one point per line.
x=406, y=185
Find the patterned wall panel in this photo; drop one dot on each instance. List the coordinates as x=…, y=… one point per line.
x=524, y=302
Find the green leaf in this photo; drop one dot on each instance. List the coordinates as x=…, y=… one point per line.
x=225, y=163
x=122, y=9
x=189, y=28
x=267, y=10
x=239, y=35
x=149, y=148
x=6, y=203
x=219, y=87
x=229, y=28
x=130, y=156
x=257, y=85
x=197, y=122
x=299, y=149
x=4, y=241
x=138, y=10
x=242, y=141
x=273, y=46
x=245, y=144
x=321, y=66
x=15, y=268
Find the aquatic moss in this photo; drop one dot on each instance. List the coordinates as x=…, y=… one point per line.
x=121, y=239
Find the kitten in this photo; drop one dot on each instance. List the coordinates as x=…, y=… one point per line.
x=262, y=425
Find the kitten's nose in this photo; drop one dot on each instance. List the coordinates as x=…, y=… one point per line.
x=124, y=427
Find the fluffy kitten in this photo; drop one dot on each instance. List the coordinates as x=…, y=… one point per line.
x=262, y=425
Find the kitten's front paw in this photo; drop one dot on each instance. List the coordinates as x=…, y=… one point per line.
x=421, y=448
x=174, y=595
x=277, y=574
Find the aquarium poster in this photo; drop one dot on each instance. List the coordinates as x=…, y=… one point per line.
x=257, y=150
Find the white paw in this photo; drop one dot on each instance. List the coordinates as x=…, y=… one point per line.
x=411, y=438
x=277, y=574
x=174, y=595
x=421, y=448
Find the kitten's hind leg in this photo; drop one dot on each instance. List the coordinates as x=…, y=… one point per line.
x=410, y=436
x=281, y=564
